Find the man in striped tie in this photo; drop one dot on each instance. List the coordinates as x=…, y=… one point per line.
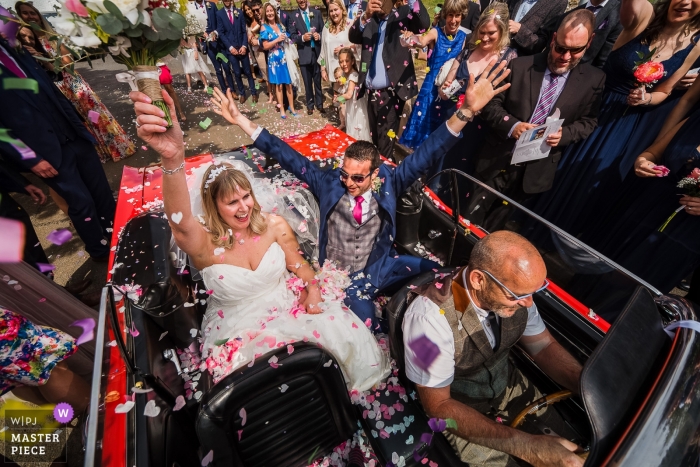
x=540, y=84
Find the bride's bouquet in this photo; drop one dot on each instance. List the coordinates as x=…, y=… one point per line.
x=137, y=33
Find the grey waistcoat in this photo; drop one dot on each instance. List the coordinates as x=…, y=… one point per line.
x=349, y=243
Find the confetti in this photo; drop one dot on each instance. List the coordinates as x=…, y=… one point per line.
x=88, y=326
x=179, y=403
x=93, y=116
x=425, y=351
x=59, y=236
x=12, y=244
x=27, y=84
x=221, y=57
x=125, y=407
x=205, y=123
x=244, y=416
x=206, y=460
x=284, y=388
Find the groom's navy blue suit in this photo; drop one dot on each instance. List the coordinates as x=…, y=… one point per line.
x=384, y=267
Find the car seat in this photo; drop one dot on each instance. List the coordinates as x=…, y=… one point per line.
x=261, y=416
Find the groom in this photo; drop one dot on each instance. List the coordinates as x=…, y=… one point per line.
x=358, y=200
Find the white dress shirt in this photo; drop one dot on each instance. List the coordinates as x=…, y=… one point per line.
x=423, y=317
x=561, y=82
x=597, y=7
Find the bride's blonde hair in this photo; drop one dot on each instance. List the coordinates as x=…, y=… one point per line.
x=225, y=183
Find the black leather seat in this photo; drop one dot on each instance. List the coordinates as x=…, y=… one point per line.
x=620, y=369
x=293, y=412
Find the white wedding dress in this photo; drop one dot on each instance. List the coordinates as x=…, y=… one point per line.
x=249, y=314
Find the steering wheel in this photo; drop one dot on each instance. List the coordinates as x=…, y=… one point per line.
x=540, y=403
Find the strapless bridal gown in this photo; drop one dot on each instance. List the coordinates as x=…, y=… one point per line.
x=249, y=314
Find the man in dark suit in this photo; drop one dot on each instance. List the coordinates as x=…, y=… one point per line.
x=214, y=47
x=527, y=17
x=62, y=150
x=541, y=84
x=360, y=238
x=607, y=28
x=305, y=27
x=231, y=27
x=386, y=68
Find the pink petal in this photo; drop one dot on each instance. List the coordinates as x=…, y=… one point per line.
x=75, y=6
x=88, y=325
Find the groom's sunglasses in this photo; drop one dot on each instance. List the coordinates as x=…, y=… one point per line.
x=355, y=178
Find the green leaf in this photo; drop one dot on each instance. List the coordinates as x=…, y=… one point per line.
x=221, y=57
x=112, y=8
x=35, y=26
x=161, y=17
x=640, y=54
x=135, y=32
x=220, y=341
x=109, y=24
x=150, y=34
x=5, y=19
x=178, y=21
x=451, y=423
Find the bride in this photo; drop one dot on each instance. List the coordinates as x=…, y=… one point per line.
x=245, y=257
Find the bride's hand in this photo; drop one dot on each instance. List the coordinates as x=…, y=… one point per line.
x=313, y=300
x=152, y=128
x=225, y=106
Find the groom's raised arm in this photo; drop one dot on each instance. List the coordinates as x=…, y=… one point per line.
x=271, y=145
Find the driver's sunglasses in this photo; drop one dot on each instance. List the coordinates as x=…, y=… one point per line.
x=355, y=178
x=560, y=49
x=256, y=10
x=513, y=294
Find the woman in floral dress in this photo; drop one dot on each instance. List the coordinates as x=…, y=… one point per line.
x=112, y=142
x=31, y=363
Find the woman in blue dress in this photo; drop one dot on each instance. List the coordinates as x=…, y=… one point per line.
x=643, y=240
x=446, y=43
x=590, y=173
x=273, y=37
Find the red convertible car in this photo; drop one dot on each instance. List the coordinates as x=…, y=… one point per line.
x=152, y=407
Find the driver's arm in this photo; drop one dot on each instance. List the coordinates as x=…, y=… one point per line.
x=473, y=426
x=553, y=359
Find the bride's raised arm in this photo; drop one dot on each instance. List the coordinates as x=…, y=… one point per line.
x=152, y=128
x=284, y=236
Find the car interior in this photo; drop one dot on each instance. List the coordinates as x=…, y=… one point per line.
x=302, y=410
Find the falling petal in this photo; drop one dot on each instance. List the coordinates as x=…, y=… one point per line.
x=88, y=325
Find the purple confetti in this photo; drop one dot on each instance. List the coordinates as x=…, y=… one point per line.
x=88, y=325
x=426, y=351
x=43, y=267
x=437, y=424
x=59, y=236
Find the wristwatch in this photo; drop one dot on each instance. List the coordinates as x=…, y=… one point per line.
x=465, y=117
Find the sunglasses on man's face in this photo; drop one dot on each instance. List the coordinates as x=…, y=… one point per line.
x=560, y=49
x=513, y=295
x=355, y=178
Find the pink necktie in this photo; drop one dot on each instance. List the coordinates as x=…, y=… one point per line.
x=357, y=212
x=10, y=64
x=230, y=16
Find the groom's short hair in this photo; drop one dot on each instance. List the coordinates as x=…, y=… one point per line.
x=364, y=151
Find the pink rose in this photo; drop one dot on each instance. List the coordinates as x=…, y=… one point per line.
x=695, y=174
x=649, y=72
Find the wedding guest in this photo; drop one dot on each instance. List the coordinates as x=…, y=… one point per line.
x=64, y=151
x=111, y=140
x=357, y=122
x=358, y=217
x=527, y=17
x=470, y=17
x=253, y=30
x=273, y=35
x=232, y=31
x=214, y=47
x=32, y=363
x=193, y=62
x=560, y=82
x=656, y=236
x=305, y=29
x=607, y=28
x=197, y=19
x=489, y=40
x=346, y=81
x=333, y=39
x=445, y=44
x=683, y=108
x=590, y=173
x=387, y=75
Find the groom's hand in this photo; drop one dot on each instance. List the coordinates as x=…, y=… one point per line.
x=479, y=93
